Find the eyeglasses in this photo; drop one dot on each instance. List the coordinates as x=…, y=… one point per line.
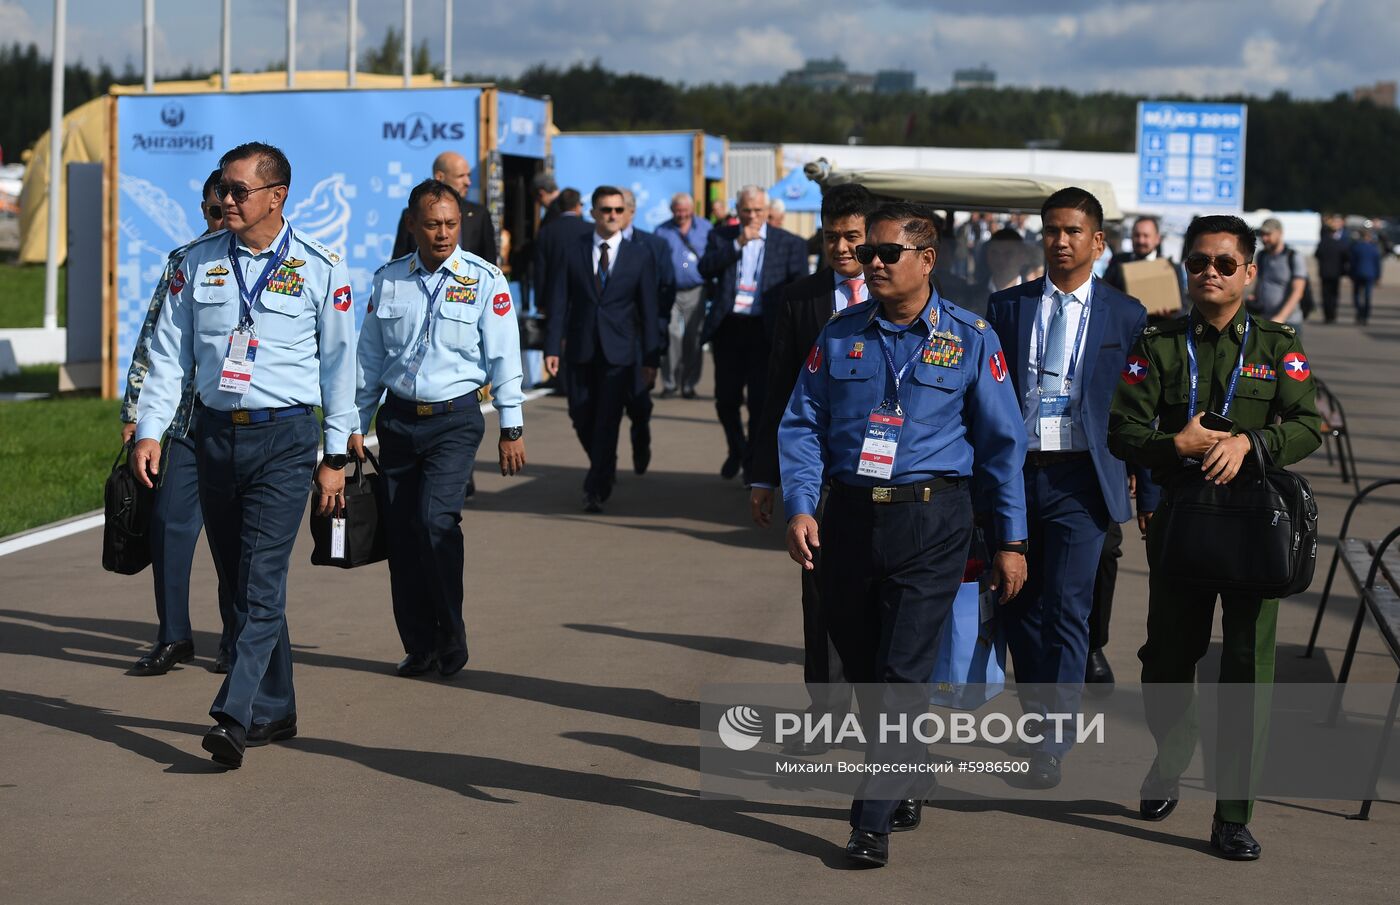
x=240, y=193
x=1224, y=264
x=612, y=210
x=215, y=211
x=887, y=252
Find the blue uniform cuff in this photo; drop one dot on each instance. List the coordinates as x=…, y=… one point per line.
x=511, y=416
x=336, y=441
x=149, y=429
x=1013, y=527
x=800, y=504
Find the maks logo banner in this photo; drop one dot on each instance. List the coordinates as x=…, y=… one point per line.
x=418, y=130
x=655, y=162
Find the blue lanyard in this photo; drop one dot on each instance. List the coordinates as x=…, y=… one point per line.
x=757, y=264
x=898, y=375
x=432, y=300
x=246, y=298
x=1068, y=376
x=1195, y=374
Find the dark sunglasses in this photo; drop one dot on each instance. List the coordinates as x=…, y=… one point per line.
x=1224, y=264
x=240, y=193
x=887, y=252
x=611, y=210
x=215, y=211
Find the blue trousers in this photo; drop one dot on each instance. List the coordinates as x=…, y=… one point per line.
x=426, y=462
x=176, y=520
x=901, y=565
x=1361, y=298
x=1047, y=624
x=254, y=482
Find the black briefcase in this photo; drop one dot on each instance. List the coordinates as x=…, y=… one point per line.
x=127, y=504
x=358, y=537
x=533, y=329
x=1257, y=533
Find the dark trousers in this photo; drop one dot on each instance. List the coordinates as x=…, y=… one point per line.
x=1331, y=288
x=639, y=408
x=254, y=483
x=901, y=567
x=1047, y=624
x=1105, y=582
x=426, y=462
x=741, y=350
x=598, y=393
x=821, y=664
x=176, y=521
x=1361, y=298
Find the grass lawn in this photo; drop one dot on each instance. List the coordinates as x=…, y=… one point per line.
x=31, y=379
x=22, y=295
x=55, y=455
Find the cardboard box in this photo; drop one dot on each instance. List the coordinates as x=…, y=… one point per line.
x=1154, y=283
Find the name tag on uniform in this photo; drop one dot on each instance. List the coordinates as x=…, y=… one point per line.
x=743, y=298
x=1055, y=423
x=237, y=374
x=882, y=431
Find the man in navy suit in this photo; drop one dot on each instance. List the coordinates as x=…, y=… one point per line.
x=603, y=321
x=1067, y=337
x=639, y=404
x=749, y=265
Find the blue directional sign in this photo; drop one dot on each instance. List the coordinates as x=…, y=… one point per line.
x=1191, y=154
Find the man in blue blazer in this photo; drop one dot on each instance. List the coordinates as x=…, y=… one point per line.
x=748, y=265
x=639, y=405
x=603, y=322
x=1066, y=336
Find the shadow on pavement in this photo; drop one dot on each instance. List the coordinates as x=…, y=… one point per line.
x=763, y=651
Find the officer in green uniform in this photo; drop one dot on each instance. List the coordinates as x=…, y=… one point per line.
x=1252, y=371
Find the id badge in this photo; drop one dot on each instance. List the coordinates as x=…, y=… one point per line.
x=743, y=298
x=882, y=431
x=337, y=538
x=236, y=377
x=1055, y=423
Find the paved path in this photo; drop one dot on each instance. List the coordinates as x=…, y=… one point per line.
x=561, y=766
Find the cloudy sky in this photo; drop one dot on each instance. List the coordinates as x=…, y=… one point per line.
x=1310, y=48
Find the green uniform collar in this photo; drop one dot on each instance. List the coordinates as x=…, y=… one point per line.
x=1235, y=329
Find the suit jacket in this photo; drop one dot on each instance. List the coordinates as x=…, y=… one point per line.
x=617, y=326
x=548, y=252
x=665, y=272
x=784, y=260
x=1332, y=254
x=803, y=311
x=478, y=233
x=1115, y=322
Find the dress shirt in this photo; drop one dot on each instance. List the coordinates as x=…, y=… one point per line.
x=840, y=301
x=613, y=245
x=751, y=268
x=1030, y=406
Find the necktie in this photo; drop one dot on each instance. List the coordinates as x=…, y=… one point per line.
x=853, y=287
x=1052, y=367
x=602, y=266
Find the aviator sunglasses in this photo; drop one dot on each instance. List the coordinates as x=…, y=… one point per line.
x=240, y=193
x=1224, y=264
x=887, y=252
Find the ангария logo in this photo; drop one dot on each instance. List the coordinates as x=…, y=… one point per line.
x=172, y=114
x=740, y=728
x=418, y=131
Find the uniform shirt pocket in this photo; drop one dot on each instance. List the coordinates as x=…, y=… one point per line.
x=856, y=386
x=395, y=326
x=457, y=322
x=215, y=310
x=932, y=392
x=278, y=319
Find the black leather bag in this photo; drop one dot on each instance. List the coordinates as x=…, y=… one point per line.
x=532, y=332
x=127, y=504
x=363, y=537
x=1257, y=533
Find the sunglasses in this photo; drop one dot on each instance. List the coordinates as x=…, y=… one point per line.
x=887, y=252
x=611, y=210
x=1224, y=264
x=240, y=193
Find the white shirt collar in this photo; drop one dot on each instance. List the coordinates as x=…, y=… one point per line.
x=612, y=243
x=1081, y=294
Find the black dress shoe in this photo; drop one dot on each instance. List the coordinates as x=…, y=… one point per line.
x=907, y=815
x=451, y=661
x=226, y=743
x=872, y=849
x=1044, y=772
x=1159, y=796
x=260, y=734
x=1155, y=809
x=731, y=466
x=641, y=458
x=222, y=661
x=162, y=657
x=592, y=503
x=688, y=394
x=1098, y=675
x=1233, y=841
x=416, y=664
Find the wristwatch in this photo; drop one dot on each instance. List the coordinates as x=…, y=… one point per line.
x=512, y=433
x=1018, y=546
x=336, y=462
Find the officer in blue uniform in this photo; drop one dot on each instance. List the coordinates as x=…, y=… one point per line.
x=263, y=317
x=903, y=401
x=438, y=329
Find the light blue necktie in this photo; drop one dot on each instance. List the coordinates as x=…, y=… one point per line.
x=1052, y=368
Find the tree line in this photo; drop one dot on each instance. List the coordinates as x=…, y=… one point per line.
x=1299, y=155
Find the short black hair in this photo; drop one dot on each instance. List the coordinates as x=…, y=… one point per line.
x=273, y=167
x=569, y=199
x=849, y=200
x=1006, y=234
x=209, y=183
x=431, y=188
x=604, y=191
x=1075, y=199
x=919, y=222
x=1221, y=223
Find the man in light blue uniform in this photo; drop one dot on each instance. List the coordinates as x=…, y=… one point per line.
x=903, y=400
x=686, y=235
x=176, y=519
x=264, y=318
x=438, y=329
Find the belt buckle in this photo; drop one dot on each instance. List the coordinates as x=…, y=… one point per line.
x=424, y=408
x=881, y=494
x=242, y=416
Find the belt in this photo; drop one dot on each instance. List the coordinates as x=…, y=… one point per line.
x=245, y=417
x=920, y=492
x=427, y=409
x=1037, y=459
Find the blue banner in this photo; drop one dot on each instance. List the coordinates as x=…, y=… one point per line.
x=798, y=193
x=354, y=154
x=653, y=166
x=521, y=124
x=1191, y=154
x=714, y=157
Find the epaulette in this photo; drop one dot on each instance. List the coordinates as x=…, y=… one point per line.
x=1177, y=325
x=850, y=309
x=963, y=316
x=1274, y=326
x=385, y=266
x=330, y=256
x=481, y=262
x=220, y=233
